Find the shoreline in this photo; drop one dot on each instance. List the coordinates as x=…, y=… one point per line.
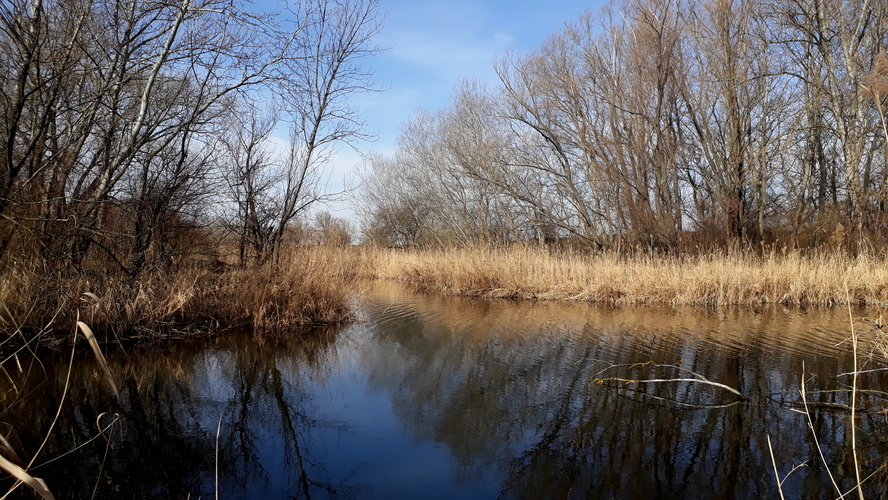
x=312, y=286
x=729, y=279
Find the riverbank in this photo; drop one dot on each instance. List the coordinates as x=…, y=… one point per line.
x=311, y=285
x=818, y=278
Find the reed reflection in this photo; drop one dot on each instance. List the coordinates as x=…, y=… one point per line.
x=438, y=397
x=523, y=390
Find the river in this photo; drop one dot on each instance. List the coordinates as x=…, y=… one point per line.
x=436, y=397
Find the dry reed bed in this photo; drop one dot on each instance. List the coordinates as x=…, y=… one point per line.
x=730, y=278
x=309, y=286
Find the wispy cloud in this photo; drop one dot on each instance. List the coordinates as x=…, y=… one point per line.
x=451, y=57
x=448, y=40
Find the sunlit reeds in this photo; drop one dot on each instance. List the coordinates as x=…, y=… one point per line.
x=717, y=279
x=307, y=286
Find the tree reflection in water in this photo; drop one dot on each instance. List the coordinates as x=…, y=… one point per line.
x=519, y=396
x=444, y=398
x=170, y=403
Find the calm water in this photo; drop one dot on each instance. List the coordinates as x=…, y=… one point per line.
x=432, y=397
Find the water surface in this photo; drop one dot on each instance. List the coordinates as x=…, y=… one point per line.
x=434, y=397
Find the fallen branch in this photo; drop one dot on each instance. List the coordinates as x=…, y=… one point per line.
x=699, y=379
x=665, y=380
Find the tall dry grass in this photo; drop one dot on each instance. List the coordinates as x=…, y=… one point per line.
x=309, y=285
x=825, y=278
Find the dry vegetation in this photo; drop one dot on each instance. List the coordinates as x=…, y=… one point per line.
x=130, y=165
x=311, y=285
x=818, y=278
x=124, y=157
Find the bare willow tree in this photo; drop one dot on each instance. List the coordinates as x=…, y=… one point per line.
x=327, y=69
x=451, y=181
x=397, y=204
x=735, y=112
x=251, y=169
x=665, y=123
x=835, y=45
x=596, y=113
x=96, y=88
x=636, y=70
x=461, y=152
x=39, y=81
x=549, y=119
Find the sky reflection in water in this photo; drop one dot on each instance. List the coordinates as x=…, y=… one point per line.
x=433, y=397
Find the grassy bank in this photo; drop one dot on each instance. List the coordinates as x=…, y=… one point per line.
x=42, y=307
x=310, y=285
x=720, y=279
x=313, y=285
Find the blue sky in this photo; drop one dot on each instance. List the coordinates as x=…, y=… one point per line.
x=433, y=45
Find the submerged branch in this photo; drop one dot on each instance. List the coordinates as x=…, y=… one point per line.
x=658, y=381
x=700, y=379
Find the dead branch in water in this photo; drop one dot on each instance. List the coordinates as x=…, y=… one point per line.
x=697, y=378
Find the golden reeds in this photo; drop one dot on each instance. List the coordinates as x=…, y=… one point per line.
x=716, y=279
x=307, y=286
x=314, y=284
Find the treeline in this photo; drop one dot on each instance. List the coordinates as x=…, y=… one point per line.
x=133, y=132
x=659, y=123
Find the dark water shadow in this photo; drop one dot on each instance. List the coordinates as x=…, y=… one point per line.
x=433, y=397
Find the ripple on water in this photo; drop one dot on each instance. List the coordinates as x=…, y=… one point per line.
x=441, y=397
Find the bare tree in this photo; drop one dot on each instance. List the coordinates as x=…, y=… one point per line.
x=252, y=170
x=549, y=119
x=86, y=102
x=836, y=44
x=327, y=71
x=109, y=108
x=395, y=205
x=331, y=231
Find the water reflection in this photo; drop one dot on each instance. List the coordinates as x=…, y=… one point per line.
x=432, y=397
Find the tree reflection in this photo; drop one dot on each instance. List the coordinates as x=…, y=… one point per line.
x=502, y=392
x=519, y=397
x=169, y=407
